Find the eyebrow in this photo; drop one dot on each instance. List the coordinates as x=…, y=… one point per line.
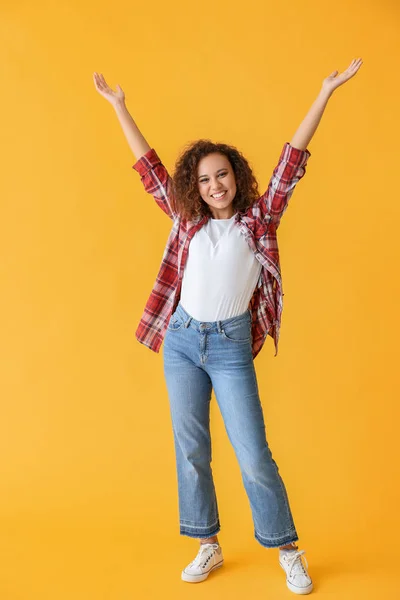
x=223, y=169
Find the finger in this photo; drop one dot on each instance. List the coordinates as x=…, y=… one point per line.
x=103, y=83
x=351, y=65
x=356, y=63
x=96, y=80
x=356, y=66
x=99, y=83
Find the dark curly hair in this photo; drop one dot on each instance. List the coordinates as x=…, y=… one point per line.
x=188, y=202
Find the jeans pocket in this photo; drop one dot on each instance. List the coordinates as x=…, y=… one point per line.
x=239, y=332
x=175, y=323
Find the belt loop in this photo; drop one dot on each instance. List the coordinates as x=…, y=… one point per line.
x=219, y=327
x=187, y=323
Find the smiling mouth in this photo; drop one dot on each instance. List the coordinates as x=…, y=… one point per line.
x=218, y=196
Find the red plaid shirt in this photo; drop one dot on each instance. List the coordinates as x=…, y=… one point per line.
x=258, y=225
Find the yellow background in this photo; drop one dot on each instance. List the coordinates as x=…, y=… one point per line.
x=88, y=497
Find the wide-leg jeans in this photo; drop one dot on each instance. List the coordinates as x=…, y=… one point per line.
x=198, y=357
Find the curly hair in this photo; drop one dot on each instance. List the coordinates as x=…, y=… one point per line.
x=188, y=202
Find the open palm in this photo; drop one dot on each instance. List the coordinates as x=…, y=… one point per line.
x=334, y=80
x=104, y=89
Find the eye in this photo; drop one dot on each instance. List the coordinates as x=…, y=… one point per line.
x=220, y=175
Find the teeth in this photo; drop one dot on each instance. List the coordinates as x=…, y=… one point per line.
x=218, y=195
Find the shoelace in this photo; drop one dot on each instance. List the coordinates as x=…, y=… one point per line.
x=203, y=549
x=295, y=564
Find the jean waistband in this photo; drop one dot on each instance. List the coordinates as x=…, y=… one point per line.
x=210, y=325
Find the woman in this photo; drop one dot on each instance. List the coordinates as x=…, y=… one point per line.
x=217, y=296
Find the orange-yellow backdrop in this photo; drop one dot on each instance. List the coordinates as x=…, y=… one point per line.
x=88, y=497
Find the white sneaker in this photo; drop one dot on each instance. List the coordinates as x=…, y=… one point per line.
x=209, y=557
x=297, y=578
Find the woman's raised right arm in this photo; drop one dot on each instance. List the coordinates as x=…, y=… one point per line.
x=153, y=174
x=135, y=139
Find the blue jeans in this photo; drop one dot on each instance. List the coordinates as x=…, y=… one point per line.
x=199, y=356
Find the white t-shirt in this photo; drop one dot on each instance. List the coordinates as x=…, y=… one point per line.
x=220, y=274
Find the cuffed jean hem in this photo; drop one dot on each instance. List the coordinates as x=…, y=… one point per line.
x=276, y=542
x=200, y=532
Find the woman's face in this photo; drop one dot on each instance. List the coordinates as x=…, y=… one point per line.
x=215, y=176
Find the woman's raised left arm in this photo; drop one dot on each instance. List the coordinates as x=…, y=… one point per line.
x=311, y=121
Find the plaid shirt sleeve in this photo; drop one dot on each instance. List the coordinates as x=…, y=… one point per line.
x=156, y=181
x=290, y=169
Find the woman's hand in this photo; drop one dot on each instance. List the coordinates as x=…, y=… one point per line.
x=106, y=91
x=334, y=80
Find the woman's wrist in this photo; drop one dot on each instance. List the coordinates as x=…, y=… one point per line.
x=119, y=105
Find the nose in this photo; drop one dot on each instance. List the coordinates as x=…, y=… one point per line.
x=215, y=182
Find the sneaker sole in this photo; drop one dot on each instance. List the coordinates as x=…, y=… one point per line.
x=298, y=590
x=199, y=578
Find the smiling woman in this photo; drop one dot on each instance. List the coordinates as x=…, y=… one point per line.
x=217, y=296
x=218, y=189
x=205, y=169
